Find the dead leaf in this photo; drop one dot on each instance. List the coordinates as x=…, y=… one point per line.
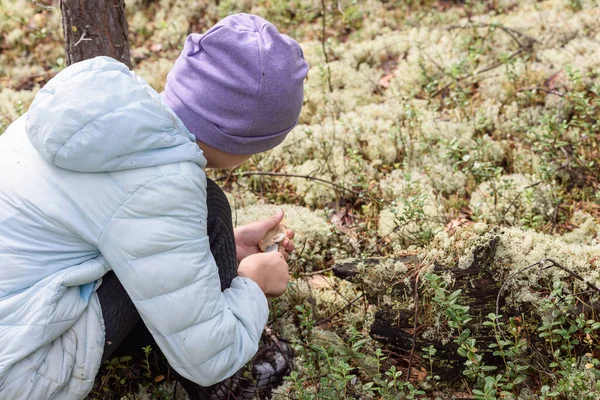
x=385, y=80
x=159, y=378
x=38, y=21
x=465, y=212
x=455, y=223
x=156, y=47
x=343, y=219
x=319, y=281
x=554, y=80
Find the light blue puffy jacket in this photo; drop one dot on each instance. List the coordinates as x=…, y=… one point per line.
x=100, y=174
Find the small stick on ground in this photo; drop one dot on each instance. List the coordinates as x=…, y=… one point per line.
x=339, y=311
x=513, y=33
x=540, y=264
x=414, y=338
x=486, y=69
x=281, y=174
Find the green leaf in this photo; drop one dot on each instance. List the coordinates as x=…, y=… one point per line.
x=473, y=358
x=519, y=379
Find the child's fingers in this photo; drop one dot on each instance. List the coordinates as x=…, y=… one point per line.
x=275, y=219
x=290, y=233
x=285, y=254
x=288, y=245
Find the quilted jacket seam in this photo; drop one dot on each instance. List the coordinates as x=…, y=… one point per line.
x=137, y=190
x=128, y=199
x=186, y=328
x=171, y=292
x=172, y=129
x=86, y=124
x=157, y=253
x=74, y=204
x=186, y=367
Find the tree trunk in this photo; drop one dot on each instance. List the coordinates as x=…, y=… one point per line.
x=95, y=28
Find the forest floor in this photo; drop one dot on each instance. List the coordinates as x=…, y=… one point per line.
x=431, y=129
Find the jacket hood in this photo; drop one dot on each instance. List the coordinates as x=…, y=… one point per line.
x=97, y=116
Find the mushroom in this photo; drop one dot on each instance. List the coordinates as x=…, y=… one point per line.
x=273, y=239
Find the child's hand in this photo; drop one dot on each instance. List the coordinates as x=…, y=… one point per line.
x=248, y=236
x=268, y=270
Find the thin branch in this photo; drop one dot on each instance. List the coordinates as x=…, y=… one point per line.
x=272, y=337
x=513, y=33
x=502, y=288
x=27, y=77
x=512, y=203
x=82, y=38
x=323, y=40
x=313, y=273
x=339, y=311
x=571, y=272
x=500, y=63
x=309, y=177
x=432, y=60
x=540, y=89
x=555, y=216
x=339, y=7
x=298, y=254
x=540, y=264
x=414, y=338
x=174, y=394
x=491, y=67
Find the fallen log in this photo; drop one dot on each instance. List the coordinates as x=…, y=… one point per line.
x=509, y=272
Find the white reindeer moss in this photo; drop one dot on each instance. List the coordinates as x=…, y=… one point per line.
x=586, y=232
x=401, y=110
x=155, y=72
x=414, y=213
x=514, y=199
x=517, y=249
x=13, y=104
x=326, y=299
x=311, y=224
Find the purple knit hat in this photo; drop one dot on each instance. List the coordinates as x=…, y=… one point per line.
x=239, y=86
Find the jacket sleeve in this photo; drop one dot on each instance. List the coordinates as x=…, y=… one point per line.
x=158, y=247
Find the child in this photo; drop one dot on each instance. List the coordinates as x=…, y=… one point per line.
x=102, y=173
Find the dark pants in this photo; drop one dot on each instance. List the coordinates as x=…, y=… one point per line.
x=123, y=323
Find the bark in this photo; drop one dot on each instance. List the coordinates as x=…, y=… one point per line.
x=95, y=28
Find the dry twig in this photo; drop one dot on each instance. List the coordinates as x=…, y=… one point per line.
x=513, y=33
x=540, y=264
x=339, y=311
x=309, y=177
x=540, y=89
x=323, y=40
x=81, y=39
x=486, y=69
x=414, y=338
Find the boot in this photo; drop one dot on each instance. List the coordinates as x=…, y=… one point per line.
x=270, y=365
